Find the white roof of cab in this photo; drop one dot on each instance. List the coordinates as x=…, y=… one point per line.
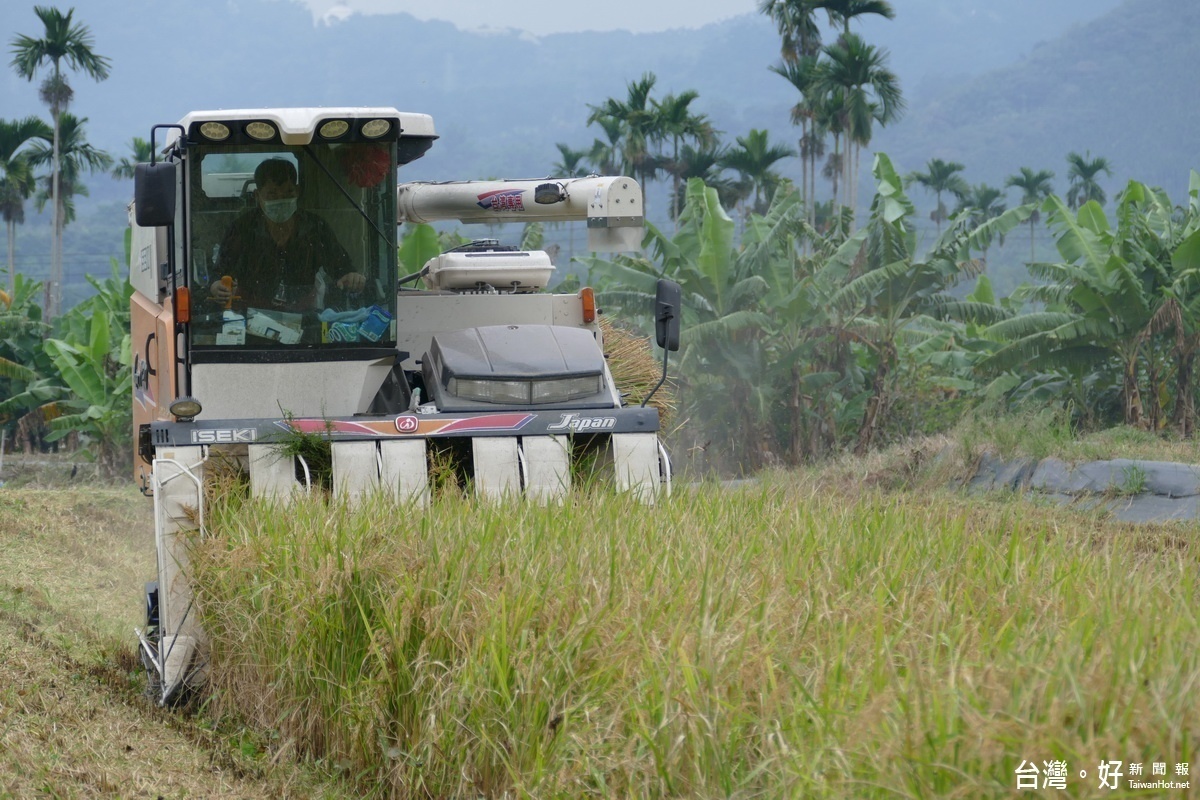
x=296, y=125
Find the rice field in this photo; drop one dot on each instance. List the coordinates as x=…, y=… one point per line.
x=789, y=639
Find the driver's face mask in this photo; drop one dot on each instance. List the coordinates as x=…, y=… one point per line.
x=279, y=210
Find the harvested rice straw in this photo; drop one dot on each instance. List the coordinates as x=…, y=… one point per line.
x=635, y=370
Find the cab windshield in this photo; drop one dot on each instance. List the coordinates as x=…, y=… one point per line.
x=292, y=247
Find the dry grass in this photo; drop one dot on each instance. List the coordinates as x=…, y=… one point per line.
x=783, y=640
x=857, y=631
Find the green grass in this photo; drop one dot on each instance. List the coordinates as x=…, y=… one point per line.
x=787, y=640
x=1048, y=433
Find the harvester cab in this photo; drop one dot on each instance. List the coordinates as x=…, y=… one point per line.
x=267, y=303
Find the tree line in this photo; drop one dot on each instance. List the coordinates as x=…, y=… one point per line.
x=807, y=334
x=63, y=376
x=800, y=343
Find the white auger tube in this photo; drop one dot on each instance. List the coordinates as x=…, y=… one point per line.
x=611, y=206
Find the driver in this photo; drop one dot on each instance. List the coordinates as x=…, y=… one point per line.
x=274, y=251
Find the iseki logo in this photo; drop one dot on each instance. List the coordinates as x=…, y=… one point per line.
x=224, y=436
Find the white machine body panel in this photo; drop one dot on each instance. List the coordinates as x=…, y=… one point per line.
x=317, y=389
x=272, y=474
x=497, y=467
x=547, y=468
x=404, y=469
x=635, y=457
x=355, y=469
x=178, y=478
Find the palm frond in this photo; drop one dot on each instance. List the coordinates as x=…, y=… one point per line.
x=724, y=327
x=858, y=292
x=943, y=306
x=1026, y=325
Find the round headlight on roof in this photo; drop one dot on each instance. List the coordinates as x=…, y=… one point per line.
x=376, y=128
x=215, y=131
x=261, y=131
x=333, y=129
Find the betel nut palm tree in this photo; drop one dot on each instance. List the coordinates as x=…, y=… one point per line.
x=754, y=158
x=799, y=33
x=16, y=178
x=940, y=177
x=981, y=204
x=69, y=42
x=1082, y=172
x=75, y=157
x=1035, y=187
x=802, y=73
x=857, y=73
x=841, y=12
x=681, y=125
x=139, y=153
x=640, y=128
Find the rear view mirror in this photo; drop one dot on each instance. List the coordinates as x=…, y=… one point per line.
x=667, y=304
x=154, y=194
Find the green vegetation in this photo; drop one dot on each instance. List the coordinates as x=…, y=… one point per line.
x=941, y=177
x=804, y=337
x=800, y=343
x=74, y=385
x=857, y=631
x=801, y=638
x=846, y=89
x=796, y=343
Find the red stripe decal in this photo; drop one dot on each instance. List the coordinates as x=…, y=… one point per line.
x=491, y=422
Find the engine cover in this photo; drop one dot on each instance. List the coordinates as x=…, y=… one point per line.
x=517, y=366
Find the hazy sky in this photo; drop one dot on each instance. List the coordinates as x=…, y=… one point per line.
x=549, y=16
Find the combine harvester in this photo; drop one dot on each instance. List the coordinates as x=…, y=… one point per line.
x=466, y=357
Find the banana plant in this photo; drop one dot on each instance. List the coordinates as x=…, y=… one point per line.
x=887, y=297
x=24, y=367
x=97, y=375
x=79, y=381
x=725, y=350
x=1118, y=288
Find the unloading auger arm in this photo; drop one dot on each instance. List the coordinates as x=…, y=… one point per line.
x=612, y=206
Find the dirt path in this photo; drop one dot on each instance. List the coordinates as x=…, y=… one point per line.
x=72, y=720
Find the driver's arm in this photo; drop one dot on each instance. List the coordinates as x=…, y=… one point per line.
x=337, y=261
x=229, y=263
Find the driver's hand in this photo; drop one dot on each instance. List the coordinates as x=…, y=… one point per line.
x=223, y=289
x=352, y=282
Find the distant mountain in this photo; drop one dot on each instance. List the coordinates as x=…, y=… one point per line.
x=997, y=85
x=1121, y=86
x=500, y=101
x=935, y=44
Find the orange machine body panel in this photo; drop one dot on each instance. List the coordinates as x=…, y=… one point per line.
x=153, y=345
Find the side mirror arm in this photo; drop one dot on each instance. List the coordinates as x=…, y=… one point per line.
x=667, y=305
